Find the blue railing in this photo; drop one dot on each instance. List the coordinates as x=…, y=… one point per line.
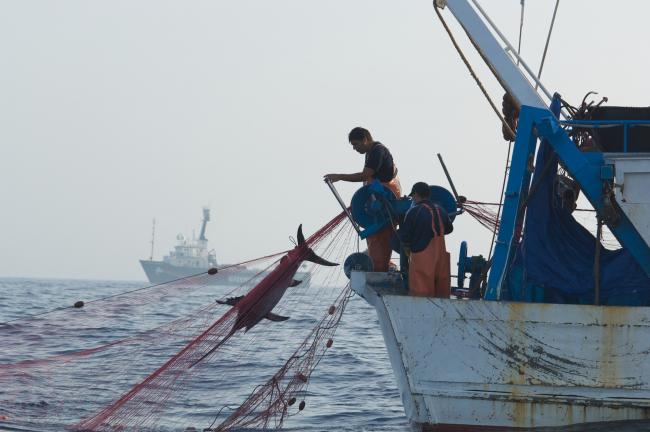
x=595, y=124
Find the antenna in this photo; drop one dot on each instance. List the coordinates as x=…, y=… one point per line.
x=153, y=237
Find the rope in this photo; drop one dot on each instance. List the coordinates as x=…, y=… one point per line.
x=503, y=188
x=123, y=293
x=471, y=71
x=548, y=39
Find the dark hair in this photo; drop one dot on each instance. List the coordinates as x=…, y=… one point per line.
x=422, y=189
x=359, y=133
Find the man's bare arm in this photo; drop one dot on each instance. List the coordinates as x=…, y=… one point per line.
x=364, y=176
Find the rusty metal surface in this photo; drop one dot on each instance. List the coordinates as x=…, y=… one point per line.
x=515, y=364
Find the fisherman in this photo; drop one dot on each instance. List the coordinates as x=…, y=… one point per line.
x=378, y=165
x=423, y=238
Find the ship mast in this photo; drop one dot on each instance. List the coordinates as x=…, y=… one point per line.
x=153, y=237
x=537, y=122
x=206, y=218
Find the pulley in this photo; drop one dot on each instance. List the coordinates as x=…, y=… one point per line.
x=374, y=206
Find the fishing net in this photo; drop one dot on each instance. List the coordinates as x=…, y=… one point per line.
x=118, y=372
x=482, y=213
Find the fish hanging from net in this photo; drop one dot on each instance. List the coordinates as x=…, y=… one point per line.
x=270, y=404
x=188, y=355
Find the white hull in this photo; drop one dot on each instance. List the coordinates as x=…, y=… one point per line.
x=512, y=365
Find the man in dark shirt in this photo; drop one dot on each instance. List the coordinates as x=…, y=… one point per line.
x=378, y=165
x=422, y=235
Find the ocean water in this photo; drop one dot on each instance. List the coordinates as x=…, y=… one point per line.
x=352, y=389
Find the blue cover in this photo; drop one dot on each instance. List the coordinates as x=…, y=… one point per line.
x=554, y=262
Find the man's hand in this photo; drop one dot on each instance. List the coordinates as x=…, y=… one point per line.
x=332, y=177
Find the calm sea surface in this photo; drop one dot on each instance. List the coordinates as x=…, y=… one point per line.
x=352, y=389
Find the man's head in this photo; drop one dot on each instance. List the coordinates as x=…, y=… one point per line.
x=420, y=192
x=360, y=139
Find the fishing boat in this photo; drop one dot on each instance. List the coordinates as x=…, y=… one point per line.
x=555, y=329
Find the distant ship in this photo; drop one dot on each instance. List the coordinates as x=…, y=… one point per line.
x=191, y=257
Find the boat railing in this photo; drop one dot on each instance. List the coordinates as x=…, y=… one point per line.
x=602, y=124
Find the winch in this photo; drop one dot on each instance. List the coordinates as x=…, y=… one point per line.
x=375, y=207
x=476, y=266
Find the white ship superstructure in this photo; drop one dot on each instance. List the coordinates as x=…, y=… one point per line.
x=189, y=257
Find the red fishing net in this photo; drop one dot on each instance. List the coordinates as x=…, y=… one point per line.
x=135, y=379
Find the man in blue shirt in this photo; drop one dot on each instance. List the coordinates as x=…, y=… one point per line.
x=423, y=238
x=378, y=165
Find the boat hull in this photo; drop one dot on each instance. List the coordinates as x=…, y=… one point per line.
x=481, y=365
x=159, y=272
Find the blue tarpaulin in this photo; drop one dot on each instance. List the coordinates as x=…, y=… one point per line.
x=554, y=262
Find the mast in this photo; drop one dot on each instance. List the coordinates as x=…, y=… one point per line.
x=153, y=237
x=537, y=121
x=206, y=218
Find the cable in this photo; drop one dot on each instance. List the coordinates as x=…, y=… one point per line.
x=521, y=28
x=548, y=39
x=25, y=317
x=503, y=188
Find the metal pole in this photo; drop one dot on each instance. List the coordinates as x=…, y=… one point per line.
x=451, y=183
x=153, y=238
x=343, y=206
x=599, y=234
x=511, y=49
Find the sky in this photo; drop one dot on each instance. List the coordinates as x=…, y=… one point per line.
x=116, y=112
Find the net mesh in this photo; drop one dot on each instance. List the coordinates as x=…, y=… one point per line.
x=115, y=374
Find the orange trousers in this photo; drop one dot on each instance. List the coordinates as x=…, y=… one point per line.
x=379, y=248
x=429, y=270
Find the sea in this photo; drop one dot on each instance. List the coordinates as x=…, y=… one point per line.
x=352, y=388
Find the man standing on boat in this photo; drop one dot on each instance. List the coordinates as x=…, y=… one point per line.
x=378, y=165
x=423, y=238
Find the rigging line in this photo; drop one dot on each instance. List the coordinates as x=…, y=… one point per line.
x=503, y=188
x=521, y=28
x=548, y=39
x=471, y=71
x=139, y=289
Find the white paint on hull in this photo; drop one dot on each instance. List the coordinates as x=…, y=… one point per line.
x=632, y=194
x=473, y=362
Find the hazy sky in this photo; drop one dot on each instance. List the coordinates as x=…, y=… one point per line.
x=115, y=112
